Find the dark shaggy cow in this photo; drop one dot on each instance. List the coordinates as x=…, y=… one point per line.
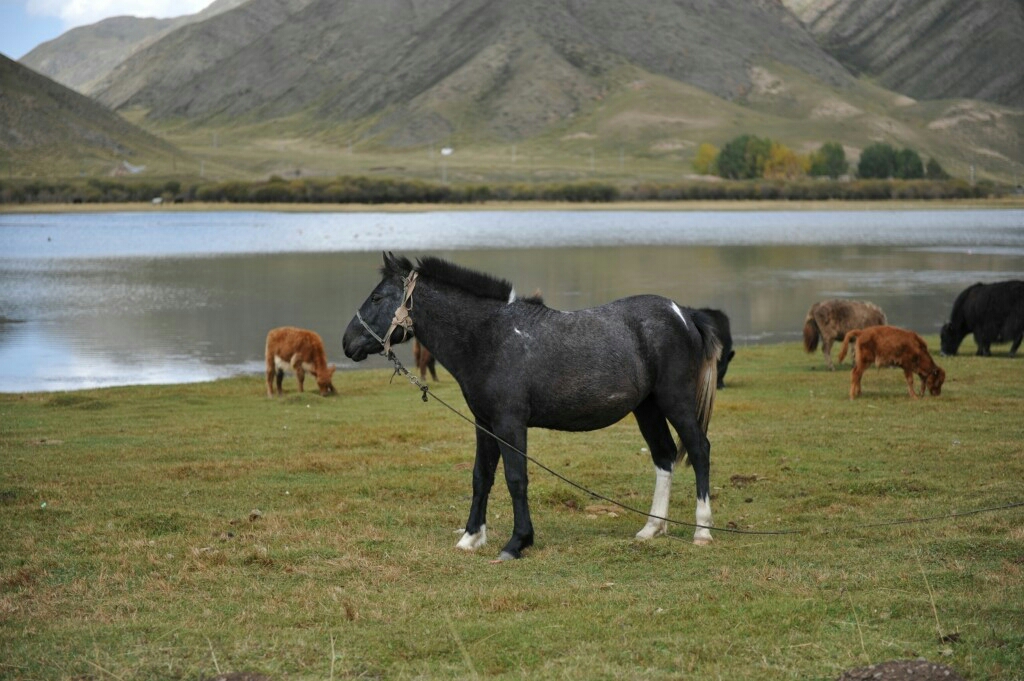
x=994, y=313
x=721, y=321
x=891, y=346
x=830, y=320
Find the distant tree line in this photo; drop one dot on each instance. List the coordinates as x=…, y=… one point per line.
x=362, y=190
x=749, y=157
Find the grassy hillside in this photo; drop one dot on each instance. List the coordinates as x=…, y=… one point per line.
x=188, y=531
x=50, y=131
x=643, y=128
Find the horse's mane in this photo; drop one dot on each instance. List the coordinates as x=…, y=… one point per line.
x=457, y=276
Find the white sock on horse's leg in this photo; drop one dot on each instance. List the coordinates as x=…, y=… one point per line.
x=659, y=505
x=471, y=542
x=702, y=535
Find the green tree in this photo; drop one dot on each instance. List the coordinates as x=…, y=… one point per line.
x=877, y=161
x=744, y=157
x=908, y=165
x=934, y=171
x=829, y=161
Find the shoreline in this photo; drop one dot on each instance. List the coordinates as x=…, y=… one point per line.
x=1014, y=202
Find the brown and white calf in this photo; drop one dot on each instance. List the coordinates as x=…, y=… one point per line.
x=297, y=350
x=891, y=346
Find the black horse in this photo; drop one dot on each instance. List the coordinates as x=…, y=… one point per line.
x=522, y=364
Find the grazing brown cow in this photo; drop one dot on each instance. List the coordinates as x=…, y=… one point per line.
x=891, y=346
x=830, y=320
x=424, y=360
x=300, y=351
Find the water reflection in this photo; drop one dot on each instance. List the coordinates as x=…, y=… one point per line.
x=68, y=321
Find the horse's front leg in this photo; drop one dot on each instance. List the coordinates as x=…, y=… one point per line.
x=514, y=456
x=487, y=453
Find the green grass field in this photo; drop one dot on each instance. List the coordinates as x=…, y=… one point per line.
x=195, y=530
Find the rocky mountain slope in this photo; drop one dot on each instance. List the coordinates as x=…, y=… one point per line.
x=926, y=49
x=521, y=65
x=81, y=57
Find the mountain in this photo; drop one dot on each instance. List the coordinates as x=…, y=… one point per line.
x=522, y=64
x=81, y=57
x=46, y=128
x=926, y=49
x=566, y=89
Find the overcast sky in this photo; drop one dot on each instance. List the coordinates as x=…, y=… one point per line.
x=27, y=23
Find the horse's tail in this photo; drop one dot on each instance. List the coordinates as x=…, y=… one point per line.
x=707, y=385
x=850, y=336
x=811, y=333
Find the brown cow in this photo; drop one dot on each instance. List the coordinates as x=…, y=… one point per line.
x=424, y=360
x=300, y=351
x=891, y=346
x=830, y=320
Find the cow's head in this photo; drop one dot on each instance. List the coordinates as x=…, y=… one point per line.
x=324, y=381
x=934, y=380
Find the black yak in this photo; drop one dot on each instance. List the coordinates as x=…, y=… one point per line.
x=994, y=313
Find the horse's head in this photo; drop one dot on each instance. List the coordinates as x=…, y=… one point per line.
x=366, y=331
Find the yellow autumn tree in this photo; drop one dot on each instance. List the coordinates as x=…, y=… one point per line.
x=785, y=164
x=706, y=159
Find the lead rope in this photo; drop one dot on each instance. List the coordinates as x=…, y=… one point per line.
x=400, y=370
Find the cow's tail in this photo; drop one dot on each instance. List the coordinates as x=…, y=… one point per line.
x=850, y=336
x=707, y=383
x=811, y=333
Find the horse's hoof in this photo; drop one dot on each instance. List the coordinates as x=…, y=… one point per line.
x=471, y=542
x=651, y=531
x=702, y=541
x=505, y=555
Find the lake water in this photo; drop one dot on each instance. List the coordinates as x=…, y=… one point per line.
x=91, y=300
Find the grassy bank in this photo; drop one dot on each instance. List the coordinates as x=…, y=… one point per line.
x=182, y=531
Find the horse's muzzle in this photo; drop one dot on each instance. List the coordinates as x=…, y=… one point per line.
x=354, y=342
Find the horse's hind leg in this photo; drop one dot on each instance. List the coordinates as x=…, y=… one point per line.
x=654, y=428
x=698, y=448
x=486, y=464
x=682, y=414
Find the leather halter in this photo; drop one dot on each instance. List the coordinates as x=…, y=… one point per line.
x=401, y=318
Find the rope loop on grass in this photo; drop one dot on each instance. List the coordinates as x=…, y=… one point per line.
x=400, y=370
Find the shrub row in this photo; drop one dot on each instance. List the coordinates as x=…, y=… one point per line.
x=811, y=190
x=377, y=191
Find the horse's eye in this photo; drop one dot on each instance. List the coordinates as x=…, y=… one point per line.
x=376, y=297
